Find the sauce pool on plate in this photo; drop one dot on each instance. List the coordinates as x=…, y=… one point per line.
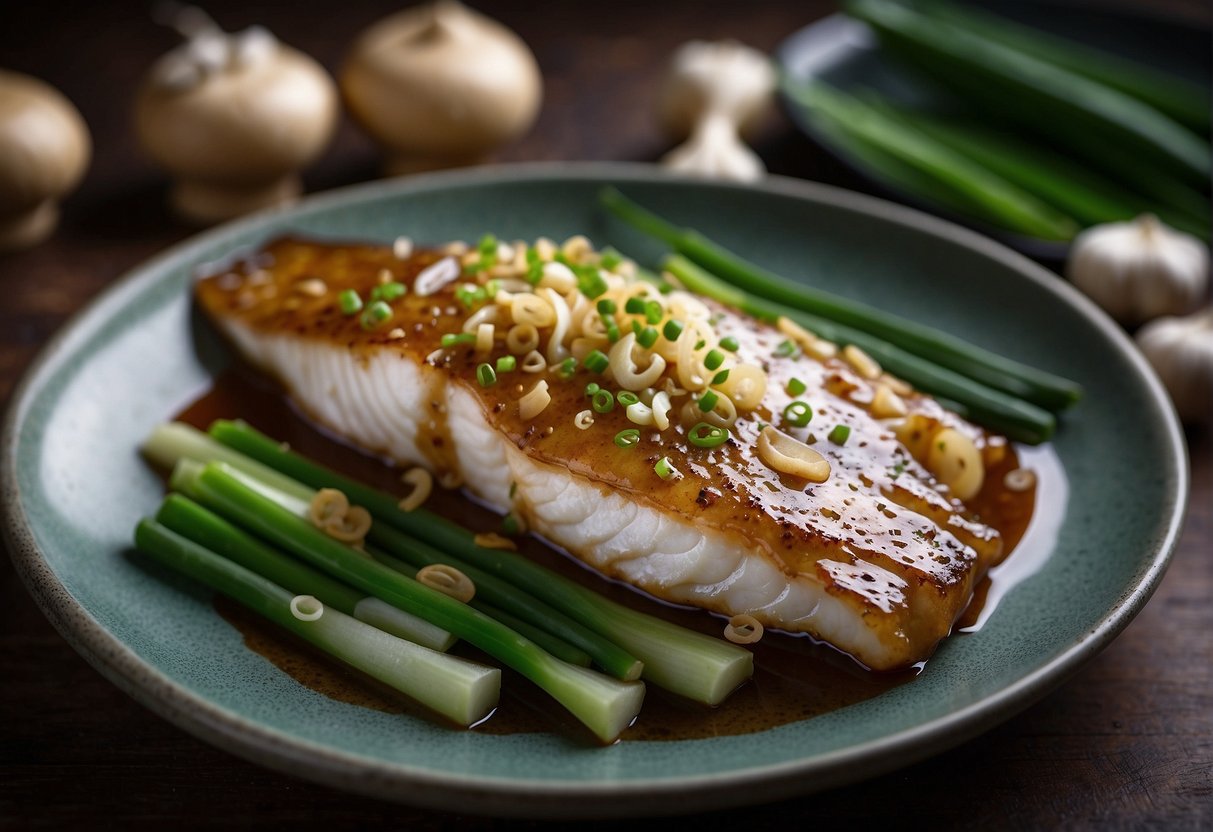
x=794, y=679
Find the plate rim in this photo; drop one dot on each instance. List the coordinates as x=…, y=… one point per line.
x=548, y=798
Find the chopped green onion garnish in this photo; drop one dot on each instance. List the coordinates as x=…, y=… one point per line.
x=597, y=361
x=704, y=435
x=627, y=398
x=672, y=330
x=510, y=524
x=592, y=388
x=653, y=312
x=507, y=364
x=647, y=337
x=349, y=301
x=567, y=368
x=610, y=259
x=452, y=339
x=613, y=333
x=606, y=306
x=486, y=375
x=786, y=349
x=469, y=294
x=798, y=413
x=707, y=402
x=713, y=359
x=729, y=343
x=721, y=377
x=627, y=438
x=488, y=250
x=388, y=291
x=665, y=469
x=839, y=434
x=534, y=266
x=374, y=315
x=796, y=387
x=603, y=402
x=591, y=283
x=700, y=344
x=634, y=306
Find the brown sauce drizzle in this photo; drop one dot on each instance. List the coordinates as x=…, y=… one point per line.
x=794, y=679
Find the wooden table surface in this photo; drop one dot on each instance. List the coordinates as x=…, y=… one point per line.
x=1125, y=744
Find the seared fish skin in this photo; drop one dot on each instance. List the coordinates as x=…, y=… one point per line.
x=877, y=560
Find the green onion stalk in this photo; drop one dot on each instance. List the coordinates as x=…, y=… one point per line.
x=188, y=519
x=171, y=443
x=462, y=691
x=187, y=449
x=606, y=706
x=505, y=596
x=994, y=371
x=1012, y=417
x=990, y=194
x=690, y=664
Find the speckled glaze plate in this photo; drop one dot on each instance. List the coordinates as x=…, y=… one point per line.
x=74, y=486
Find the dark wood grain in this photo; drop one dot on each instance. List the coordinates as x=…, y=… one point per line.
x=1126, y=744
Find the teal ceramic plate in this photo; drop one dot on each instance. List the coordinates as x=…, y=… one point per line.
x=74, y=487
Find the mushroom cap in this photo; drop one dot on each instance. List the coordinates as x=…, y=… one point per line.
x=44, y=143
x=442, y=80
x=725, y=74
x=242, y=124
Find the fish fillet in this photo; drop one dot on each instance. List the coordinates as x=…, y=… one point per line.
x=877, y=560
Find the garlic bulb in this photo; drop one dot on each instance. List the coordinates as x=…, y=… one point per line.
x=44, y=150
x=233, y=117
x=441, y=85
x=1139, y=270
x=713, y=93
x=1181, y=351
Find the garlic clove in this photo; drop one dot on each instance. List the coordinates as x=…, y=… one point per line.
x=44, y=151
x=1139, y=270
x=1181, y=352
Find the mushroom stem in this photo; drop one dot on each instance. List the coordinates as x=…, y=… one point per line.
x=205, y=203
x=28, y=228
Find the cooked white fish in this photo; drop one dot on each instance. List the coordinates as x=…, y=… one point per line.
x=877, y=560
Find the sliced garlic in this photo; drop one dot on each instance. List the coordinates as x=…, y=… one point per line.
x=887, y=404
x=955, y=460
x=791, y=456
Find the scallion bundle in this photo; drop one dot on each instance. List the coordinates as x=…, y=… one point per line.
x=690, y=664
x=245, y=502
x=459, y=690
x=1003, y=394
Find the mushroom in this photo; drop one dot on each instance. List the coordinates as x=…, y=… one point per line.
x=441, y=86
x=44, y=150
x=713, y=94
x=233, y=117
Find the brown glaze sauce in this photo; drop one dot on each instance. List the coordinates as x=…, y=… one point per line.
x=795, y=678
